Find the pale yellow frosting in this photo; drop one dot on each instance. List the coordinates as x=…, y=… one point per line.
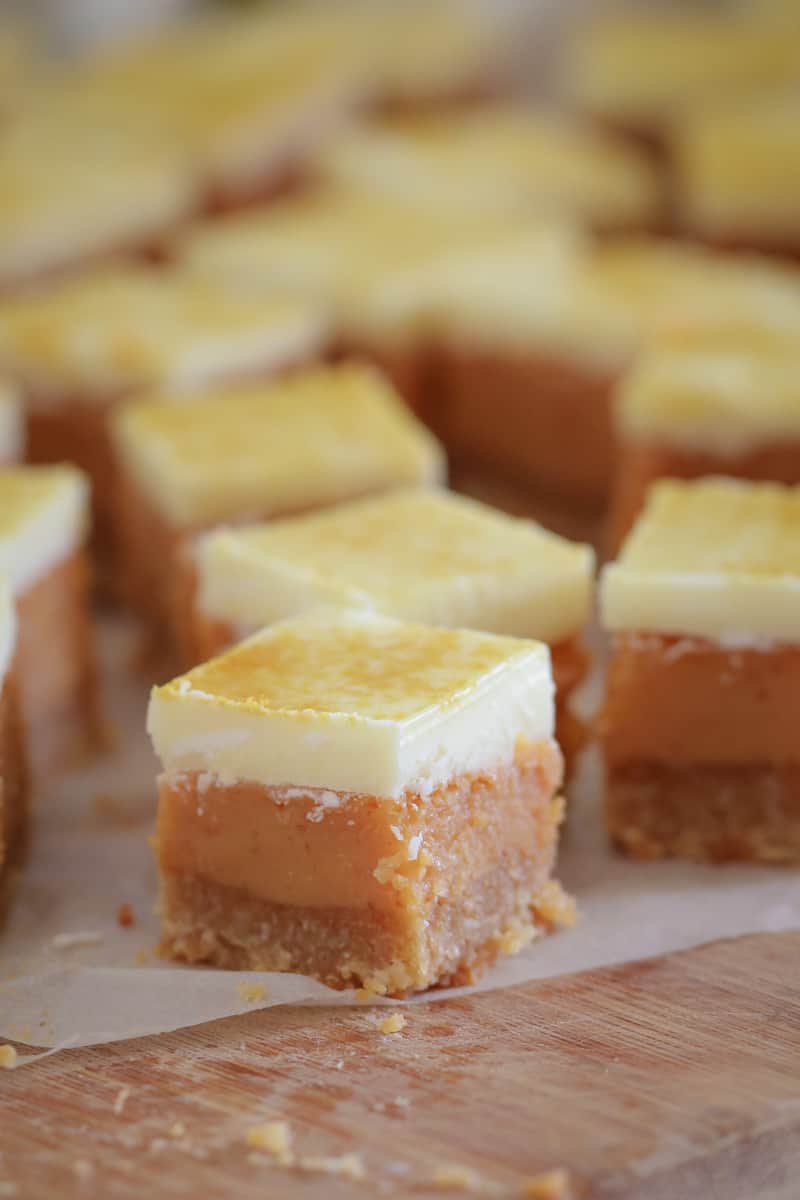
x=44, y=517
x=319, y=436
x=497, y=161
x=418, y=555
x=722, y=400
x=643, y=67
x=716, y=558
x=354, y=702
x=12, y=434
x=77, y=184
x=128, y=327
x=738, y=167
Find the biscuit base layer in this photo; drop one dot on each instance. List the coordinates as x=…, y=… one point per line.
x=543, y=420
x=782, y=247
x=640, y=464
x=391, y=895
x=13, y=783
x=706, y=813
x=54, y=666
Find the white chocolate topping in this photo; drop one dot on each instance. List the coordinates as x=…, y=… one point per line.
x=716, y=558
x=353, y=702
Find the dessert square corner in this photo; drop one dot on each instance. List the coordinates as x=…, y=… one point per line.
x=365, y=801
x=696, y=727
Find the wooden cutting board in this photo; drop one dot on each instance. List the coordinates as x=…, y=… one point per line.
x=673, y=1079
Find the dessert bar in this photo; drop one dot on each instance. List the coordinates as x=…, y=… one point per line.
x=13, y=780
x=698, y=727
x=418, y=555
x=43, y=529
x=370, y=802
x=319, y=437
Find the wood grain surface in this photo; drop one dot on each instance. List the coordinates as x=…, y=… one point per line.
x=670, y=1079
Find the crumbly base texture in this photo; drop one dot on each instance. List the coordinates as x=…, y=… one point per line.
x=641, y=464
x=706, y=813
x=478, y=885
x=545, y=421
x=55, y=668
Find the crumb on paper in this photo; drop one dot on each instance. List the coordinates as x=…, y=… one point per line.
x=177, y=1129
x=121, y=1099
x=251, y=993
x=550, y=1185
x=455, y=1178
x=349, y=1166
x=8, y=1057
x=125, y=916
x=142, y=957
x=392, y=1024
x=553, y=907
x=83, y=1169
x=516, y=938
x=69, y=941
x=275, y=1137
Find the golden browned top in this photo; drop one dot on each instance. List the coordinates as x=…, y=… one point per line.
x=319, y=435
x=128, y=326
x=352, y=664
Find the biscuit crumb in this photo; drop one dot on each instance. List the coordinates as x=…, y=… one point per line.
x=83, y=1169
x=350, y=1166
x=121, y=1099
x=8, y=1058
x=177, y=1129
x=516, y=938
x=68, y=941
x=550, y=1185
x=455, y=1178
x=275, y=1137
x=553, y=907
x=251, y=993
x=392, y=1024
x=125, y=916
x=142, y=956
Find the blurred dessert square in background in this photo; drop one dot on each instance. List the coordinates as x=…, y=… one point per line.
x=426, y=556
x=698, y=727
x=81, y=347
x=43, y=533
x=247, y=452
x=370, y=802
x=12, y=424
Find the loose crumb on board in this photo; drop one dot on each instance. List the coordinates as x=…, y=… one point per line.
x=177, y=1129
x=453, y=1177
x=69, y=941
x=275, y=1137
x=550, y=1185
x=392, y=1024
x=121, y=1099
x=8, y=1058
x=126, y=917
x=83, y=1169
x=349, y=1166
x=251, y=993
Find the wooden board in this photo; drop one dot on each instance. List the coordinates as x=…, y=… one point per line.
x=664, y=1080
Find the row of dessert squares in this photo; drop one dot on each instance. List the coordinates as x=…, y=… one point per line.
x=362, y=778
x=584, y=368
x=411, y=103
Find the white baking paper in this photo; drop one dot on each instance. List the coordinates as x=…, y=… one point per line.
x=90, y=854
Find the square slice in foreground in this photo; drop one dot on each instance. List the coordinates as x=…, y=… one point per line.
x=699, y=728
x=366, y=801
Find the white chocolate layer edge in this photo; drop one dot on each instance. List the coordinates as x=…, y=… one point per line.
x=49, y=535
x=347, y=753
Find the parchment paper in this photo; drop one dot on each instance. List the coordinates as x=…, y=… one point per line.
x=90, y=854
